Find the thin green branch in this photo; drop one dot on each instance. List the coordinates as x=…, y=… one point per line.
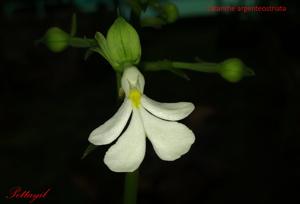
x=73, y=25
x=167, y=65
x=232, y=69
x=82, y=42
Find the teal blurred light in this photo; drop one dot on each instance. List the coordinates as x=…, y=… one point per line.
x=191, y=8
x=90, y=6
x=187, y=8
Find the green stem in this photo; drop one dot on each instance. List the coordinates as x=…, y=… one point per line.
x=120, y=92
x=198, y=66
x=131, y=187
x=167, y=65
x=201, y=66
x=82, y=42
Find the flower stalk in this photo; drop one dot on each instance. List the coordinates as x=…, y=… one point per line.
x=131, y=187
x=167, y=65
x=232, y=69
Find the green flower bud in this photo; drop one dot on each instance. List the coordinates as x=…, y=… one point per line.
x=56, y=39
x=171, y=12
x=232, y=70
x=123, y=43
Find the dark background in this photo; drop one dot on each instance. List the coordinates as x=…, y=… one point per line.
x=247, y=134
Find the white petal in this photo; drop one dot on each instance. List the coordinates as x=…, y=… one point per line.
x=132, y=78
x=170, y=140
x=129, y=151
x=167, y=111
x=111, y=129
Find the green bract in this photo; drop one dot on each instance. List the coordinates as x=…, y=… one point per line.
x=121, y=48
x=232, y=70
x=56, y=39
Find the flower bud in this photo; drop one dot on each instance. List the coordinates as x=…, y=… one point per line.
x=171, y=12
x=124, y=44
x=232, y=70
x=56, y=39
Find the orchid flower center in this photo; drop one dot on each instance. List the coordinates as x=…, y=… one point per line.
x=135, y=97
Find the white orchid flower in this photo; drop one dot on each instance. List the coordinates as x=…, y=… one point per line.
x=150, y=119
